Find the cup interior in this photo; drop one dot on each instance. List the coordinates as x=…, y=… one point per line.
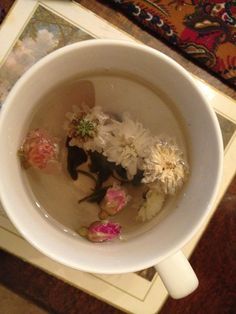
x=49, y=227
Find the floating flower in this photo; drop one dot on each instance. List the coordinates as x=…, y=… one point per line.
x=86, y=127
x=166, y=166
x=151, y=206
x=115, y=200
x=101, y=231
x=39, y=150
x=128, y=145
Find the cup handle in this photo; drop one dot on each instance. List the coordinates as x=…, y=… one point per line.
x=177, y=275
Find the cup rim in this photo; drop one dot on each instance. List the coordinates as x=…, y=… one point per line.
x=20, y=225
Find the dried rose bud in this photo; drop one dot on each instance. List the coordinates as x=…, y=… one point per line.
x=100, y=231
x=39, y=150
x=115, y=200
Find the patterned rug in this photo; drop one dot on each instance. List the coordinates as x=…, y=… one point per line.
x=205, y=30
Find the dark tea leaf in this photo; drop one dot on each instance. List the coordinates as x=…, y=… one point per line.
x=75, y=157
x=121, y=172
x=101, y=166
x=95, y=161
x=137, y=178
x=96, y=197
x=87, y=174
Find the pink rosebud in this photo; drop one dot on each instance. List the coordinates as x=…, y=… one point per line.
x=100, y=231
x=40, y=150
x=115, y=200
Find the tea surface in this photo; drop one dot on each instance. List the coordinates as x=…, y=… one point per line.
x=116, y=93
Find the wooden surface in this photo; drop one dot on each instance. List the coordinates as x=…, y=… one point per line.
x=213, y=259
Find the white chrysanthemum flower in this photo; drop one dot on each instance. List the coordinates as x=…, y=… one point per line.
x=87, y=127
x=151, y=206
x=128, y=145
x=166, y=166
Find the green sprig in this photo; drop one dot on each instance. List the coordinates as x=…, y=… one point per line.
x=86, y=128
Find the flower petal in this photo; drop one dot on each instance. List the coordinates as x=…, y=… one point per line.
x=115, y=200
x=165, y=165
x=151, y=206
x=40, y=150
x=100, y=231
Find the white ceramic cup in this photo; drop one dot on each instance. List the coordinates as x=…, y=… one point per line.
x=159, y=246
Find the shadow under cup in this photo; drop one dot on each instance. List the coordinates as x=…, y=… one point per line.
x=54, y=232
